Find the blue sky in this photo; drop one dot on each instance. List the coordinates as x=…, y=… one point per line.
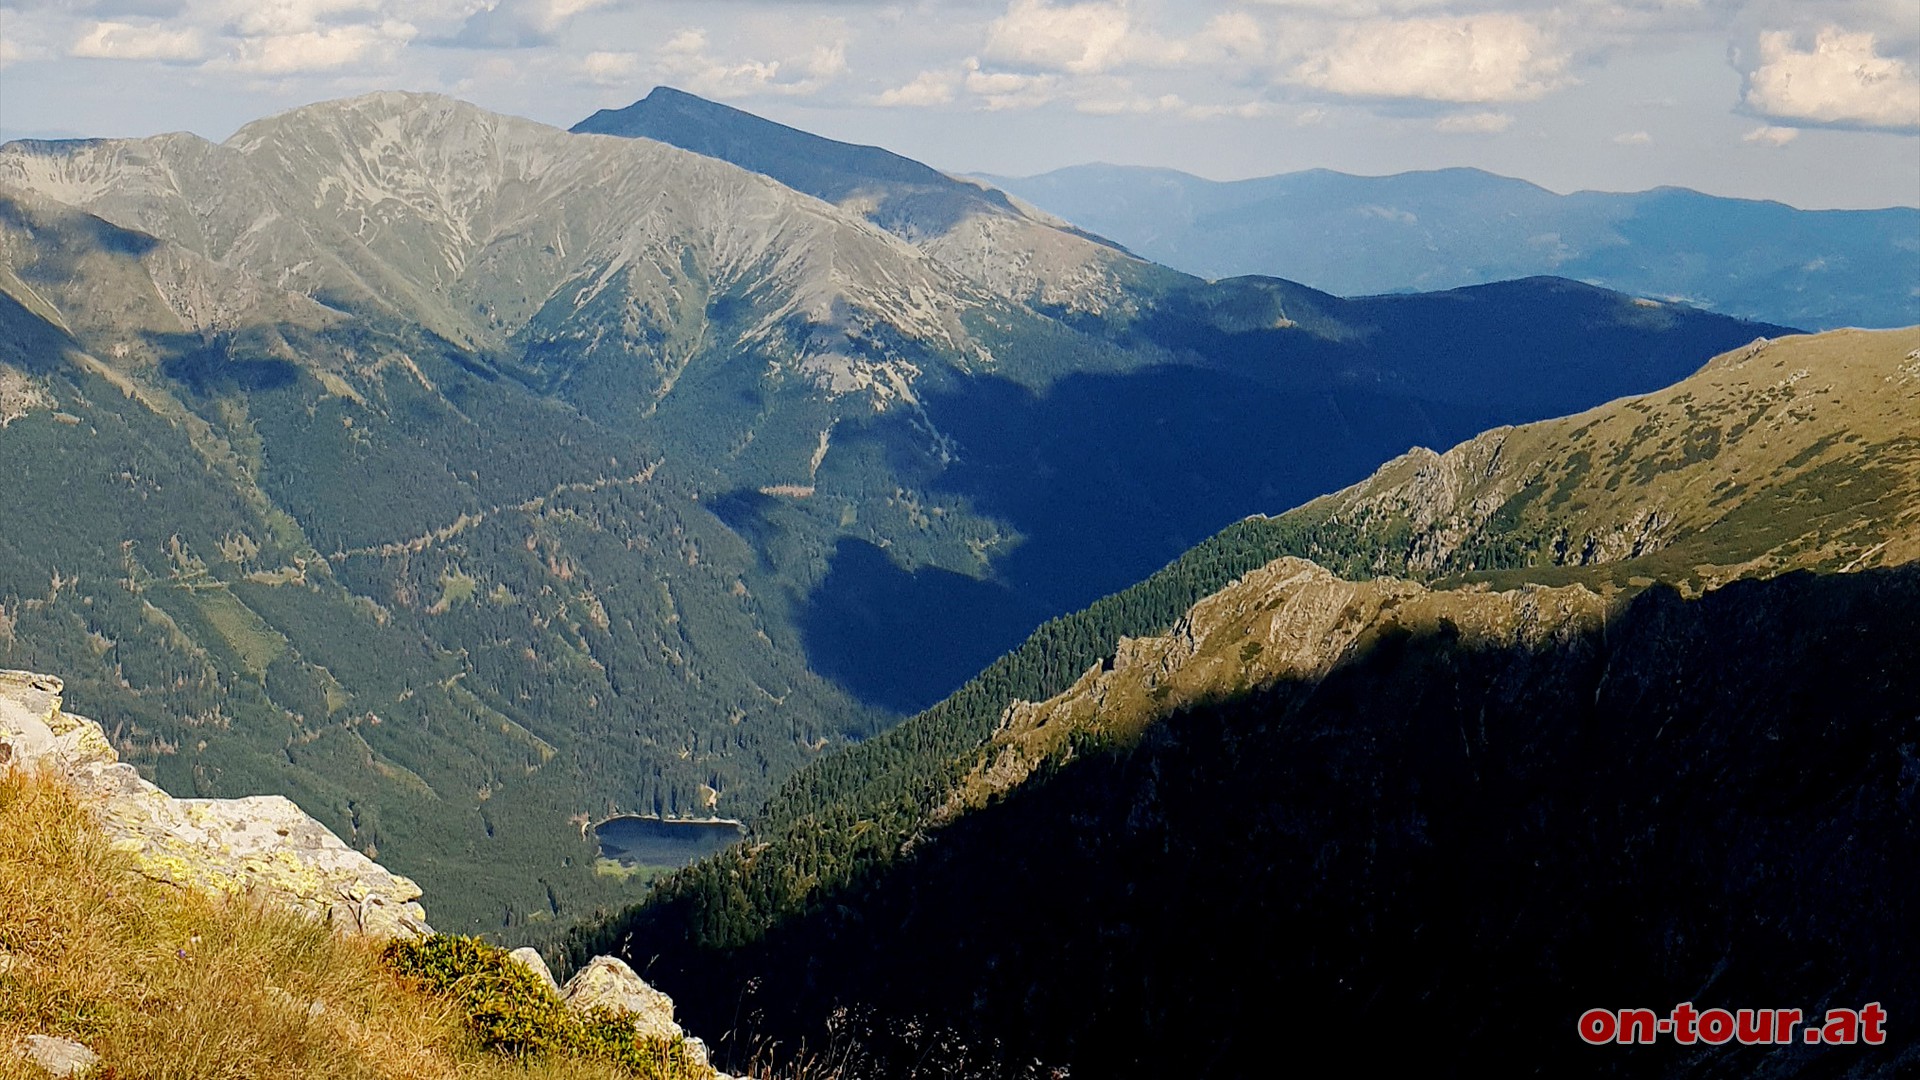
x=1814, y=102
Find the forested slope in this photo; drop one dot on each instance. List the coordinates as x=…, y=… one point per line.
x=1818, y=431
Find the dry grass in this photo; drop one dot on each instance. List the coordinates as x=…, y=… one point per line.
x=172, y=985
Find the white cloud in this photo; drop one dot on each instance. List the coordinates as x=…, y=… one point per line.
x=1769, y=135
x=687, y=59
x=928, y=89
x=277, y=18
x=1474, y=123
x=1233, y=36
x=1001, y=90
x=12, y=52
x=1633, y=138
x=314, y=50
x=1358, y=9
x=1094, y=38
x=510, y=24
x=610, y=68
x=1483, y=58
x=1842, y=80
x=1077, y=38
x=1137, y=106
x=559, y=11
x=1247, y=110
x=125, y=41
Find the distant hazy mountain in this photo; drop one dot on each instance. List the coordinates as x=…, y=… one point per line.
x=1354, y=235
x=461, y=476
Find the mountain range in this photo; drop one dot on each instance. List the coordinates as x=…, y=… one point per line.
x=470, y=481
x=1447, y=228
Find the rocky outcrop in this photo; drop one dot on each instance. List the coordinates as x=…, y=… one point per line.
x=263, y=846
x=1786, y=454
x=608, y=983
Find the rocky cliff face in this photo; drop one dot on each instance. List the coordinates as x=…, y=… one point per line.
x=263, y=846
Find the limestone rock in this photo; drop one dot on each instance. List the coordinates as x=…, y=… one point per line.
x=263, y=846
x=58, y=1057
x=531, y=959
x=608, y=982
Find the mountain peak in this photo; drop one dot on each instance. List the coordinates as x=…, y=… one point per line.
x=969, y=226
x=416, y=112
x=826, y=168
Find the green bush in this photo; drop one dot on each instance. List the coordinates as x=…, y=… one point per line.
x=512, y=1013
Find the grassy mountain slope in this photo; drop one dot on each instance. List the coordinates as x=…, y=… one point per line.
x=1794, y=453
x=842, y=834
x=1452, y=227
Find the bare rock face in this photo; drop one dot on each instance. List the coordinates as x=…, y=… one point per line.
x=262, y=846
x=57, y=1057
x=608, y=982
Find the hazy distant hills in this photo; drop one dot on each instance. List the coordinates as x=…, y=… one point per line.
x=461, y=476
x=1354, y=235
x=1539, y=714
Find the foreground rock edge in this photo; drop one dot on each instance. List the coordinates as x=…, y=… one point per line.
x=262, y=847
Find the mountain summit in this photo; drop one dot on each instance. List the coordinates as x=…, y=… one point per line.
x=917, y=196
x=995, y=240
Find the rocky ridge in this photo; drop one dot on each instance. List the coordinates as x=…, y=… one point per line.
x=487, y=229
x=1759, y=463
x=1290, y=620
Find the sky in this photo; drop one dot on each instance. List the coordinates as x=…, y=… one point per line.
x=1811, y=102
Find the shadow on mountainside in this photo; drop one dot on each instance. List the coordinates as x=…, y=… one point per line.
x=1434, y=860
x=1106, y=478
x=1280, y=395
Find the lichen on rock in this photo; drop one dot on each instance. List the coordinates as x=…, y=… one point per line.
x=262, y=846
x=607, y=982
